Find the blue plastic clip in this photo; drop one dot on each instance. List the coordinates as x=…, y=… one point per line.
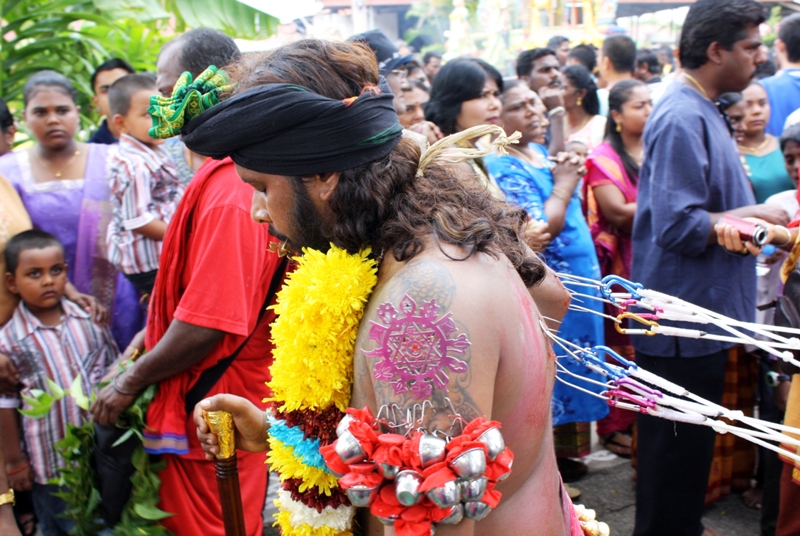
x=618, y=358
x=611, y=280
x=589, y=354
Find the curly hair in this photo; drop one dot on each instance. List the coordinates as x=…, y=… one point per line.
x=384, y=203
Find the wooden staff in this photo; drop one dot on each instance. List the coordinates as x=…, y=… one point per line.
x=221, y=424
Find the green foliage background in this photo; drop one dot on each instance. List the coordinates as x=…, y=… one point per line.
x=72, y=37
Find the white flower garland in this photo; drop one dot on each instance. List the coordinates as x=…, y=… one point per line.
x=337, y=519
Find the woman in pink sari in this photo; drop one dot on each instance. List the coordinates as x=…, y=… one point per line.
x=613, y=171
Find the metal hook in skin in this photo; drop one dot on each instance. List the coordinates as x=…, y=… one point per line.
x=455, y=416
x=421, y=422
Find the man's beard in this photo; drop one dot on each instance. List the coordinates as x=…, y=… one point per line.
x=307, y=227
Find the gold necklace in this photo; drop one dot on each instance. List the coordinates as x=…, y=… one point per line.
x=523, y=156
x=700, y=89
x=745, y=165
x=757, y=149
x=57, y=173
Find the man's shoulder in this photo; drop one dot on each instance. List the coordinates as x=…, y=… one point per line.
x=780, y=79
x=219, y=186
x=453, y=278
x=678, y=110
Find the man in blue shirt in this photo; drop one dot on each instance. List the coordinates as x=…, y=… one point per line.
x=691, y=177
x=783, y=89
x=106, y=74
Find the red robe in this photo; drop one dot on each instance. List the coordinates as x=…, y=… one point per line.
x=215, y=272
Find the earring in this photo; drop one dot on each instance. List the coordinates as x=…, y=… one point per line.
x=579, y=102
x=619, y=127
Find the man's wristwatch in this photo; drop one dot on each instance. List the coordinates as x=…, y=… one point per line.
x=7, y=498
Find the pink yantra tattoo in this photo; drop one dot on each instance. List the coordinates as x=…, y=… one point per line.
x=414, y=347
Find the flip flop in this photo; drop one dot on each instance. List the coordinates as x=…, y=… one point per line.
x=620, y=449
x=27, y=525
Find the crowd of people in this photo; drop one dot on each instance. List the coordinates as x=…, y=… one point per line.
x=165, y=255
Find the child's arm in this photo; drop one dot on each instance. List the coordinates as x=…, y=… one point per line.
x=18, y=468
x=154, y=230
x=135, y=205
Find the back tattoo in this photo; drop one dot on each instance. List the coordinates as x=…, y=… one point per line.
x=415, y=348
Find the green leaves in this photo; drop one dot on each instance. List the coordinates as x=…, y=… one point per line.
x=73, y=37
x=141, y=515
x=39, y=402
x=58, y=392
x=234, y=18
x=150, y=512
x=76, y=391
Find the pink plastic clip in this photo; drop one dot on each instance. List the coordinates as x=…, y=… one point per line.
x=625, y=395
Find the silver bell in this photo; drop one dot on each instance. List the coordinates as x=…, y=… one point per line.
x=493, y=439
x=473, y=490
x=361, y=496
x=349, y=448
x=476, y=510
x=456, y=515
x=388, y=521
x=407, y=487
x=469, y=464
x=388, y=471
x=445, y=496
x=432, y=450
x=344, y=424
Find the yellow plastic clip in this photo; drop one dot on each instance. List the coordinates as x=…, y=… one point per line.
x=624, y=331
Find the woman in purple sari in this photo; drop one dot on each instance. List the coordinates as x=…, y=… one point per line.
x=612, y=174
x=63, y=186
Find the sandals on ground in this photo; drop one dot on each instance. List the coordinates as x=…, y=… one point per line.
x=612, y=443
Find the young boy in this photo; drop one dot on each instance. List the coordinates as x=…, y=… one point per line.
x=52, y=338
x=144, y=184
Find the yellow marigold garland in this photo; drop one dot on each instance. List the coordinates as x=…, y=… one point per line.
x=319, y=310
x=282, y=456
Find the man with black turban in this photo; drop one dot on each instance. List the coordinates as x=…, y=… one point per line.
x=312, y=129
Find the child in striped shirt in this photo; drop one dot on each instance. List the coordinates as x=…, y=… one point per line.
x=144, y=184
x=48, y=337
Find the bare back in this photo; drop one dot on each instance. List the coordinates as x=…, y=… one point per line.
x=493, y=361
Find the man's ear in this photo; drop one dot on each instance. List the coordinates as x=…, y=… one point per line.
x=714, y=53
x=324, y=185
x=94, y=101
x=11, y=283
x=780, y=47
x=605, y=64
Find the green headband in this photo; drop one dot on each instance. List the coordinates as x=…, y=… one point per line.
x=189, y=99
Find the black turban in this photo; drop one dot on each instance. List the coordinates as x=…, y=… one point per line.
x=285, y=129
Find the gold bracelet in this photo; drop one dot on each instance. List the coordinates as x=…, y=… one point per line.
x=788, y=236
x=7, y=498
x=562, y=195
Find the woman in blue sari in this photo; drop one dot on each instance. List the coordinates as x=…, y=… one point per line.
x=548, y=193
